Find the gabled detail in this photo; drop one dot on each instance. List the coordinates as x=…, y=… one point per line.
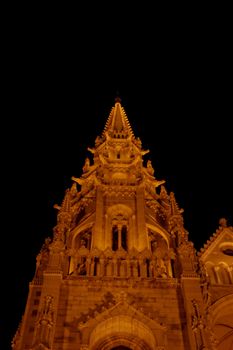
x=121, y=303
x=119, y=307
x=216, y=258
x=107, y=303
x=223, y=230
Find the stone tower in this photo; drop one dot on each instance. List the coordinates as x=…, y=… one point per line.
x=120, y=271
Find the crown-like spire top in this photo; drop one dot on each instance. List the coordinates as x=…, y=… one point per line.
x=117, y=125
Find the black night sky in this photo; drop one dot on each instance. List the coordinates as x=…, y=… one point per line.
x=60, y=82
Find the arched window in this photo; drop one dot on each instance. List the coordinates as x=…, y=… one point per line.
x=114, y=238
x=119, y=218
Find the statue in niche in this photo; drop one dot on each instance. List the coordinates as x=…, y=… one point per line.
x=152, y=269
x=205, y=285
x=84, y=240
x=161, y=271
x=83, y=243
x=154, y=246
x=47, y=310
x=81, y=269
x=160, y=265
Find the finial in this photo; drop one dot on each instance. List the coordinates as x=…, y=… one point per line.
x=117, y=98
x=223, y=222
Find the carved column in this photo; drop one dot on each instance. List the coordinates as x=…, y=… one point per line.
x=88, y=264
x=102, y=266
x=142, y=268
x=128, y=272
x=115, y=267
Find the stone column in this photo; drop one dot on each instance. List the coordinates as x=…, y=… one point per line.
x=141, y=224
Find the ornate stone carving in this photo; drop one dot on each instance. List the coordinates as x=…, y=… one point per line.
x=120, y=252
x=44, y=325
x=197, y=326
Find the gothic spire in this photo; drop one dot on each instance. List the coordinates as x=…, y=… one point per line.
x=117, y=125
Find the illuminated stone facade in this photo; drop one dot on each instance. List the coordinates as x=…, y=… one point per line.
x=120, y=271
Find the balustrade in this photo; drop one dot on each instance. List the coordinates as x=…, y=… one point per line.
x=121, y=267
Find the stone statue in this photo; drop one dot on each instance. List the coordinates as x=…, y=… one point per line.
x=149, y=167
